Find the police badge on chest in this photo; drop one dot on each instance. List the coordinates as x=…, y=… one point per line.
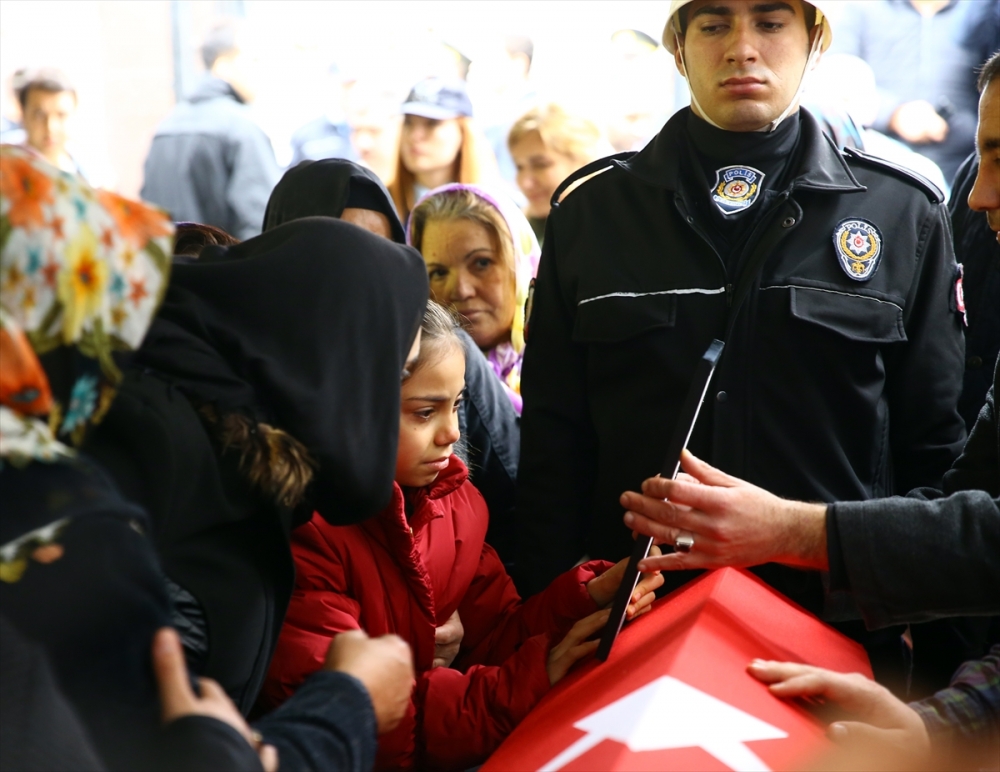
x=736, y=188
x=859, y=247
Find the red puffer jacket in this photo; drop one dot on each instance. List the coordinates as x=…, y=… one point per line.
x=393, y=575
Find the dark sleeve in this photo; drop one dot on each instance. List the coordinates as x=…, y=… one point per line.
x=926, y=431
x=913, y=560
x=493, y=439
x=254, y=175
x=967, y=713
x=39, y=730
x=328, y=724
x=558, y=443
x=204, y=744
x=978, y=468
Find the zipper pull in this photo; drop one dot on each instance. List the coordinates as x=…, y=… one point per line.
x=729, y=296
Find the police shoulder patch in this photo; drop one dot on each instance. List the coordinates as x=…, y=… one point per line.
x=736, y=188
x=858, y=244
x=931, y=190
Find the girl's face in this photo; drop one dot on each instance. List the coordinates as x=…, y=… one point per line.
x=539, y=172
x=428, y=419
x=468, y=274
x=427, y=145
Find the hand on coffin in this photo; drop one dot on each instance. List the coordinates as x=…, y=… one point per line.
x=733, y=523
x=447, y=641
x=177, y=699
x=575, y=645
x=604, y=587
x=884, y=723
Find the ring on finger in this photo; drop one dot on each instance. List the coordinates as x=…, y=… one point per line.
x=684, y=543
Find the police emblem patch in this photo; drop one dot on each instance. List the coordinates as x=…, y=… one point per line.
x=858, y=244
x=736, y=188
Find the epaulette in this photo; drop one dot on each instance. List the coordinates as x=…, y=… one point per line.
x=584, y=173
x=935, y=194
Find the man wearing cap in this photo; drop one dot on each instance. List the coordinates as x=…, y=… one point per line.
x=831, y=278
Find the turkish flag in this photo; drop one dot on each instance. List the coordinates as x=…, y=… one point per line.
x=674, y=694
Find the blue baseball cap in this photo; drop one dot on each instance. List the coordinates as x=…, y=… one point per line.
x=438, y=99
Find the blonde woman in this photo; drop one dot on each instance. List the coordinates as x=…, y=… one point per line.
x=547, y=145
x=481, y=256
x=438, y=143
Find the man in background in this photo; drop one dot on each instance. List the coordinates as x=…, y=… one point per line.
x=209, y=161
x=925, y=68
x=48, y=103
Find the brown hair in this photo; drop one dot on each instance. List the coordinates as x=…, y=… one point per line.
x=475, y=163
x=192, y=237
x=989, y=72
x=46, y=79
x=438, y=330
x=464, y=205
x=569, y=135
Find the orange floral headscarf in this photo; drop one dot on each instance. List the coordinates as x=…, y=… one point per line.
x=80, y=268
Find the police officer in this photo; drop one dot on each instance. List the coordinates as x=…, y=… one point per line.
x=830, y=276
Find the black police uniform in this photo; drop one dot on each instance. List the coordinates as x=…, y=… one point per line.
x=841, y=371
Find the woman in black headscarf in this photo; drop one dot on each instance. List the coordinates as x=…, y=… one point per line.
x=267, y=389
x=337, y=188
x=344, y=190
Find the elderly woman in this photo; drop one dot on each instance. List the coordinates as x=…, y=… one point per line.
x=547, y=145
x=438, y=143
x=481, y=257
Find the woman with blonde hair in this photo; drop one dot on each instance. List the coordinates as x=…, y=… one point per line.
x=481, y=257
x=547, y=145
x=438, y=143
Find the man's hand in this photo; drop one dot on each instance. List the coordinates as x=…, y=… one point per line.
x=918, y=122
x=884, y=722
x=575, y=645
x=384, y=666
x=603, y=588
x=733, y=522
x=178, y=700
x=447, y=641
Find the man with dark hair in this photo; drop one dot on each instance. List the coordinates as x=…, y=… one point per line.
x=977, y=250
x=209, y=161
x=48, y=103
x=827, y=274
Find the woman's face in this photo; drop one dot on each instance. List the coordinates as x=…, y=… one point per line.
x=468, y=274
x=539, y=172
x=427, y=145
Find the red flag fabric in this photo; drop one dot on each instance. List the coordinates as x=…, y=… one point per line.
x=675, y=694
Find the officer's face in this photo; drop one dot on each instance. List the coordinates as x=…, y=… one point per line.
x=744, y=59
x=985, y=195
x=468, y=273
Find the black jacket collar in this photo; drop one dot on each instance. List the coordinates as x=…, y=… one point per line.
x=822, y=166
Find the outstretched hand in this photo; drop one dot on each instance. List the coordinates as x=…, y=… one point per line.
x=733, y=523
x=177, y=699
x=884, y=723
x=575, y=645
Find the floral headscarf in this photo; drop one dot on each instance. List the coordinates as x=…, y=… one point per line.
x=506, y=357
x=82, y=272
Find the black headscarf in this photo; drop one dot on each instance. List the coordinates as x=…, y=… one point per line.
x=325, y=189
x=306, y=327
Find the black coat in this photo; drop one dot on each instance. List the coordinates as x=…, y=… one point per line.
x=829, y=388
x=210, y=163
x=977, y=250
x=882, y=549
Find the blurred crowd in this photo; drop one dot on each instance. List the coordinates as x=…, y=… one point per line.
x=267, y=499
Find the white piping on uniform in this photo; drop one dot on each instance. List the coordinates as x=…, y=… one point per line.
x=832, y=292
x=692, y=291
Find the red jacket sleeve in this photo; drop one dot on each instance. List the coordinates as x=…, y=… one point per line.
x=496, y=621
x=463, y=717
x=318, y=610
